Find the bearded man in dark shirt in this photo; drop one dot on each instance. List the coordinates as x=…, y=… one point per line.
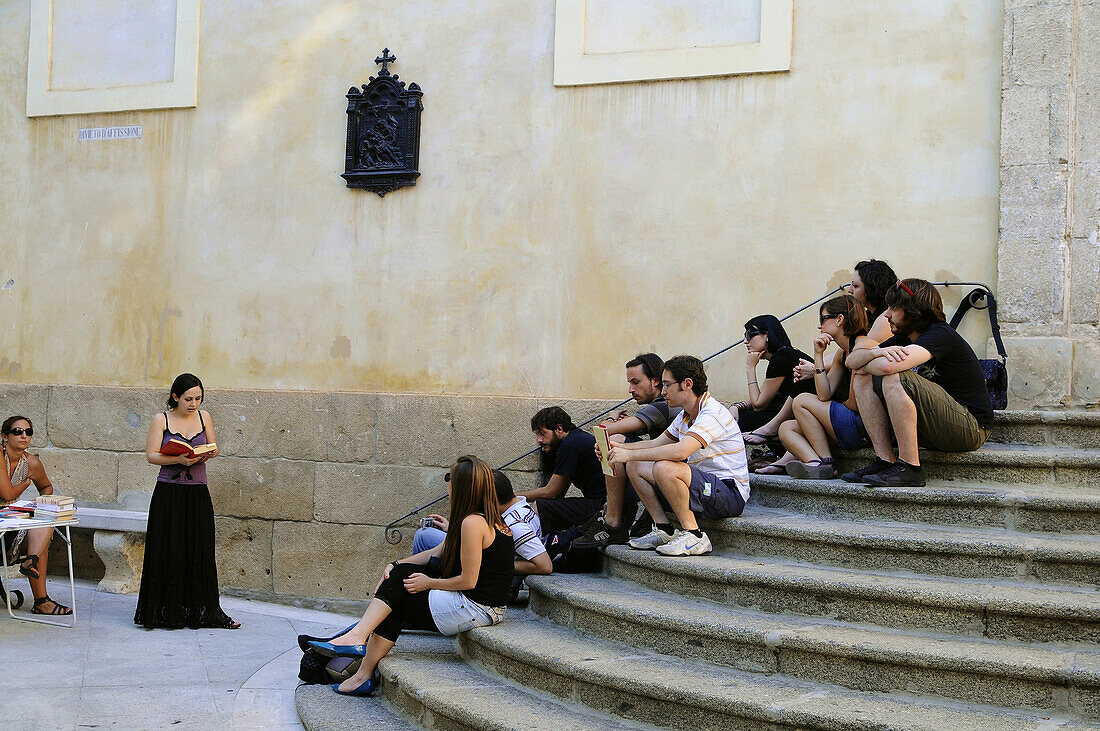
x=572, y=453
x=943, y=404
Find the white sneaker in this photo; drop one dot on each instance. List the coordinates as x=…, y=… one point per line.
x=651, y=540
x=684, y=543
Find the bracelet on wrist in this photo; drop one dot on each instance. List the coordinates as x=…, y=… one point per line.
x=819, y=371
x=752, y=383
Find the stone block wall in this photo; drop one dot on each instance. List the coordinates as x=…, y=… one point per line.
x=305, y=481
x=1048, y=254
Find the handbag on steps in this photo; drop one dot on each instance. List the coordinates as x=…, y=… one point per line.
x=995, y=371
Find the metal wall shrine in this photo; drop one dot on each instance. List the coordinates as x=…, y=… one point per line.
x=383, y=146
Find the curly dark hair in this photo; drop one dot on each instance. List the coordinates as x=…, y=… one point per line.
x=877, y=277
x=551, y=418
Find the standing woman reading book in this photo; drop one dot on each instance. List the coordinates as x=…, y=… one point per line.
x=30, y=549
x=179, y=581
x=477, y=566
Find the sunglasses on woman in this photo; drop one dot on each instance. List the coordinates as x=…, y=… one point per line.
x=19, y=431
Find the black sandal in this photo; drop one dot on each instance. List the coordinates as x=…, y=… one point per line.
x=58, y=609
x=31, y=572
x=229, y=623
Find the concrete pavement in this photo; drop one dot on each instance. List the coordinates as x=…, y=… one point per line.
x=109, y=673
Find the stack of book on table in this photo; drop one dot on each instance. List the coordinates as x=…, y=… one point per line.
x=54, y=507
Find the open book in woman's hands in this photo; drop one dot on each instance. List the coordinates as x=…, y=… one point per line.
x=177, y=447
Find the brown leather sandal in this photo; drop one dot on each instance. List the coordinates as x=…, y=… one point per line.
x=58, y=609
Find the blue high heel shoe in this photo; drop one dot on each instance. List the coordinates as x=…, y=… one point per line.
x=304, y=640
x=366, y=689
x=330, y=650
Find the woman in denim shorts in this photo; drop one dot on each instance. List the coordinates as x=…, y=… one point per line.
x=827, y=416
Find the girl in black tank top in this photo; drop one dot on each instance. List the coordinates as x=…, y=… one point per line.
x=413, y=595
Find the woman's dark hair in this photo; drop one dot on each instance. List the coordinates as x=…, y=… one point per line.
x=919, y=302
x=688, y=366
x=184, y=382
x=877, y=277
x=551, y=418
x=769, y=324
x=472, y=491
x=855, y=314
x=8, y=422
x=651, y=364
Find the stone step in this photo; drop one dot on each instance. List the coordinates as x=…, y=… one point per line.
x=1079, y=429
x=440, y=691
x=859, y=657
x=1024, y=507
x=319, y=709
x=990, y=608
x=683, y=693
x=919, y=548
x=1003, y=463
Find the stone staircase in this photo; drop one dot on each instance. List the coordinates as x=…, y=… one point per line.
x=971, y=603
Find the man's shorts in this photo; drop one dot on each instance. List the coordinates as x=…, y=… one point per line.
x=847, y=426
x=942, y=422
x=564, y=512
x=712, y=498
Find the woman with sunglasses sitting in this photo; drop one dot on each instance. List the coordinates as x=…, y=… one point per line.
x=769, y=402
x=28, y=548
x=469, y=590
x=829, y=415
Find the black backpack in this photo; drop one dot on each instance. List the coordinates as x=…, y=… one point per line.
x=570, y=560
x=995, y=371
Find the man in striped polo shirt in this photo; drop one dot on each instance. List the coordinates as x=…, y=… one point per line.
x=698, y=464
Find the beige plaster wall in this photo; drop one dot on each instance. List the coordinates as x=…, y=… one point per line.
x=554, y=231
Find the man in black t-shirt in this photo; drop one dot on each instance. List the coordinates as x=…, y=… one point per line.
x=942, y=404
x=643, y=380
x=575, y=462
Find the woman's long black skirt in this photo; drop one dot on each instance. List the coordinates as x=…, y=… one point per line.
x=179, y=580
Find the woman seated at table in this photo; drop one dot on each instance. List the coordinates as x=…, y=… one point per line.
x=829, y=415
x=476, y=577
x=769, y=401
x=30, y=549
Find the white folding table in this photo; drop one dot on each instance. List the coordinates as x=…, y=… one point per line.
x=13, y=526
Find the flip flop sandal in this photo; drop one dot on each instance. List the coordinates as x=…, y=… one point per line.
x=753, y=439
x=58, y=609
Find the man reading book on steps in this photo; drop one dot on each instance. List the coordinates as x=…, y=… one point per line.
x=643, y=380
x=698, y=464
x=570, y=454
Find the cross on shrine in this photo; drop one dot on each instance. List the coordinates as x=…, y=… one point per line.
x=385, y=59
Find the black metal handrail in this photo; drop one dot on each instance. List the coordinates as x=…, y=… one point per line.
x=393, y=533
